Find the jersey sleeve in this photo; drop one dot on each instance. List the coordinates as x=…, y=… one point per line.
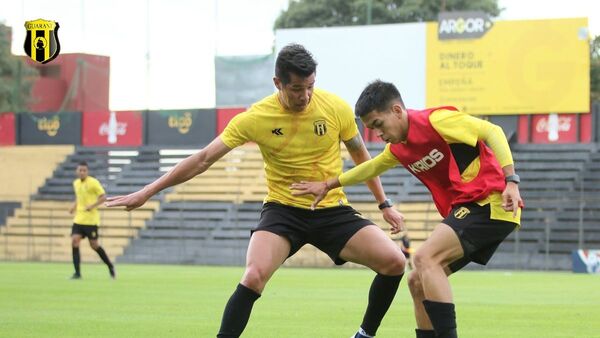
x=458, y=127
x=238, y=131
x=348, y=127
x=369, y=169
x=495, y=138
x=98, y=189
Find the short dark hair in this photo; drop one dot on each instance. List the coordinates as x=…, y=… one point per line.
x=82, y=163
x=294, y=58
x=377, y=96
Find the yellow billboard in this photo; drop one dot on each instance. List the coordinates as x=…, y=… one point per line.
x=516, y=67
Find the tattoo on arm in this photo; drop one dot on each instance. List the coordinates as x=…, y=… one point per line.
x=354, y=144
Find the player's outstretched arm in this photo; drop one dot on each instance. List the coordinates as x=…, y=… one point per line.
x=185, y=170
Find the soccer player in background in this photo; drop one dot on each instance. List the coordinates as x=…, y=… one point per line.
x=298, y=130
x=407, y=250
x=474, y=188
x=89, y=194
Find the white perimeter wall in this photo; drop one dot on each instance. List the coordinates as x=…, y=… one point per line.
x=351, y=57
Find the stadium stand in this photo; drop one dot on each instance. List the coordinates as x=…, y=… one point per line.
x=561, y=212
x=24, y=168
x=40, y=231
x=40, y=228
x=207, y=220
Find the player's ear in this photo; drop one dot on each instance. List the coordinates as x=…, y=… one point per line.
x=277, y=82
x=397, y=109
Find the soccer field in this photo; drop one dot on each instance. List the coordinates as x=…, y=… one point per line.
x=37, y=300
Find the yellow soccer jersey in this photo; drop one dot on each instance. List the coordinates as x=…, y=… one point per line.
x=87, y=193
x=296, y=147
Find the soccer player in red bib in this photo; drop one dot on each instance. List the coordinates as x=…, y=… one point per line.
x=466, y=164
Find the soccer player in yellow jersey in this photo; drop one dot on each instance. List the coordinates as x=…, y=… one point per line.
x=473, y=185
x=298, y=130
x=89, y=194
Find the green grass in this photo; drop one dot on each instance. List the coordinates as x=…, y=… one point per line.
x=37, y=300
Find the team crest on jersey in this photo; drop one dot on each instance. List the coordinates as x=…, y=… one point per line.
x=320, y=127
x=461, y=213
x=41, y=41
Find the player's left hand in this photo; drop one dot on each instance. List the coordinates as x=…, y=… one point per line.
x=395, y=219
x=511, y=198
x=89, y=208
x=317, y=189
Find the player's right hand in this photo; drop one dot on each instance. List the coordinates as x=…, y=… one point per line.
x=130, y=202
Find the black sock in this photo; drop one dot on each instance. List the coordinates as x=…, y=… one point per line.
x=425, y=333
x=237, y=312
x=76, y=260
x=443, y=318
x=104, y=257
x=382, y=292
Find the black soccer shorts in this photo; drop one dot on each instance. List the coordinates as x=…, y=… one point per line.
x=479, y=235
x=328, y=229
x=89, y=231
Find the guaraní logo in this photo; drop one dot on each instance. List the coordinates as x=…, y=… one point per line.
x=461, y=213
x=463, y=25
x=41, y=41
x=320, y=127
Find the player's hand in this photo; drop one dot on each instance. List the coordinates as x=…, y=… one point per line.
x=395, y=219
x=71, y=210
x=511, y=198
x=317, y=189
x=89, y=208
x=130, y=202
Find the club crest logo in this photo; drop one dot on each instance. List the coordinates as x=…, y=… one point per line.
x=41, y=41
x=461, y=213
x=320, y=127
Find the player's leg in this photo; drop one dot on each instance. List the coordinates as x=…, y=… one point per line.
x=424, y=327
x=372, y=247
x=93, y=238
x=430, y=285
x=266, y=252
x=76, y=237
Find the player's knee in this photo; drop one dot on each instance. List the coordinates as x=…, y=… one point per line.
x=422, y=261
x=414, y=283
x=75, y=242
x=392, y=265
x=255, y=279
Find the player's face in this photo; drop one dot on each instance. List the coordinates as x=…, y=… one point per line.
x=82, y=172
x=388, y=125
x=295, y=95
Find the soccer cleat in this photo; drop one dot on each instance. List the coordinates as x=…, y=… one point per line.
x=75, y=276
x=358, y=335
x=113, y=273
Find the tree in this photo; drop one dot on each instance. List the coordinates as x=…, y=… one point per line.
x=595, y=69
x=16, y=77
x=329, y=13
